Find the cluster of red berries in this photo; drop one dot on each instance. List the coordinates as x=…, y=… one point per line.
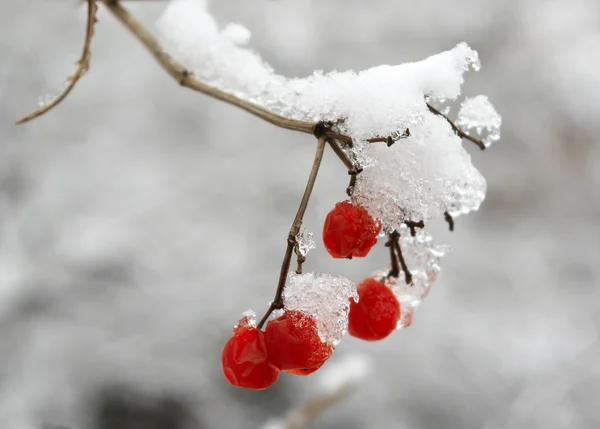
x=253, y=359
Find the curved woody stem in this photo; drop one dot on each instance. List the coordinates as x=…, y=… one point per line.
x=277, y=302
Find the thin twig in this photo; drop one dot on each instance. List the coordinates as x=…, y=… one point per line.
x=347, y=140
x=300, y=258
x=83, y=66
x=459, y=132
x=395, y=271
x=353, y=170
x=277, y=302
x=407, y=273
x=185, y=78
x=448, y=217
x=413, y=225
x=341, y=155
x=390, y=140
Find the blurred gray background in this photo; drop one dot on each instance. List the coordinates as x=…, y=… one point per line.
x=139, y=219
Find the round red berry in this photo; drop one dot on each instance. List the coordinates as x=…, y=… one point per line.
x=244, y=359
x=293, y=343
x=304, y=371
x=377, y=312
x=350, y=230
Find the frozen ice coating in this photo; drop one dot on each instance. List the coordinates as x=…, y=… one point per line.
x=248, y=319
x=478, y=113
x=305, y=241
x=324, y=297
x=423, y=261
x=420, y=177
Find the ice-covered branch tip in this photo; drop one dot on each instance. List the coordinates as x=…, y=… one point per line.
x=82, y=67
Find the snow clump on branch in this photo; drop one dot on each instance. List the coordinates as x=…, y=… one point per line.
x=419, y=177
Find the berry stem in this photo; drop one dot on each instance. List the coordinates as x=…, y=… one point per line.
x=277, y=302
x=353, y=170
x=448, y=217
x=300, y=258
x=407, y=274
x=390, y=140
x=395, y=271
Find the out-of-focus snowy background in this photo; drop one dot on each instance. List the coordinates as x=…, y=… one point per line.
x=139, y=219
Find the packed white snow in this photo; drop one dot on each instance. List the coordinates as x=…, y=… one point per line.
x=418, y=177
x=325, y=297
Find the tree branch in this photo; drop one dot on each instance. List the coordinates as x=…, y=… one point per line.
x=82, y=66
x=277, y=302
x=185, y=78
x=459, y=132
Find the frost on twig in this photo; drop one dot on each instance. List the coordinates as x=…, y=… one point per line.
x=336, y=382
x=83, y=64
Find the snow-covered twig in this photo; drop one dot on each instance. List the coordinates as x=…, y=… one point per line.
x=82, y=67
x=459, y=131
x=185, y=78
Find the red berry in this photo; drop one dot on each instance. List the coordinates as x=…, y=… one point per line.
x=304, y=371
x=244, y=359
x=377, y=312
x=350, y=230
x=293, y=343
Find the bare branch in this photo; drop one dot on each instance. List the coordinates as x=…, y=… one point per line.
x=277, y=302
x=459, y=132
x=185, y=78
x=83, y=66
